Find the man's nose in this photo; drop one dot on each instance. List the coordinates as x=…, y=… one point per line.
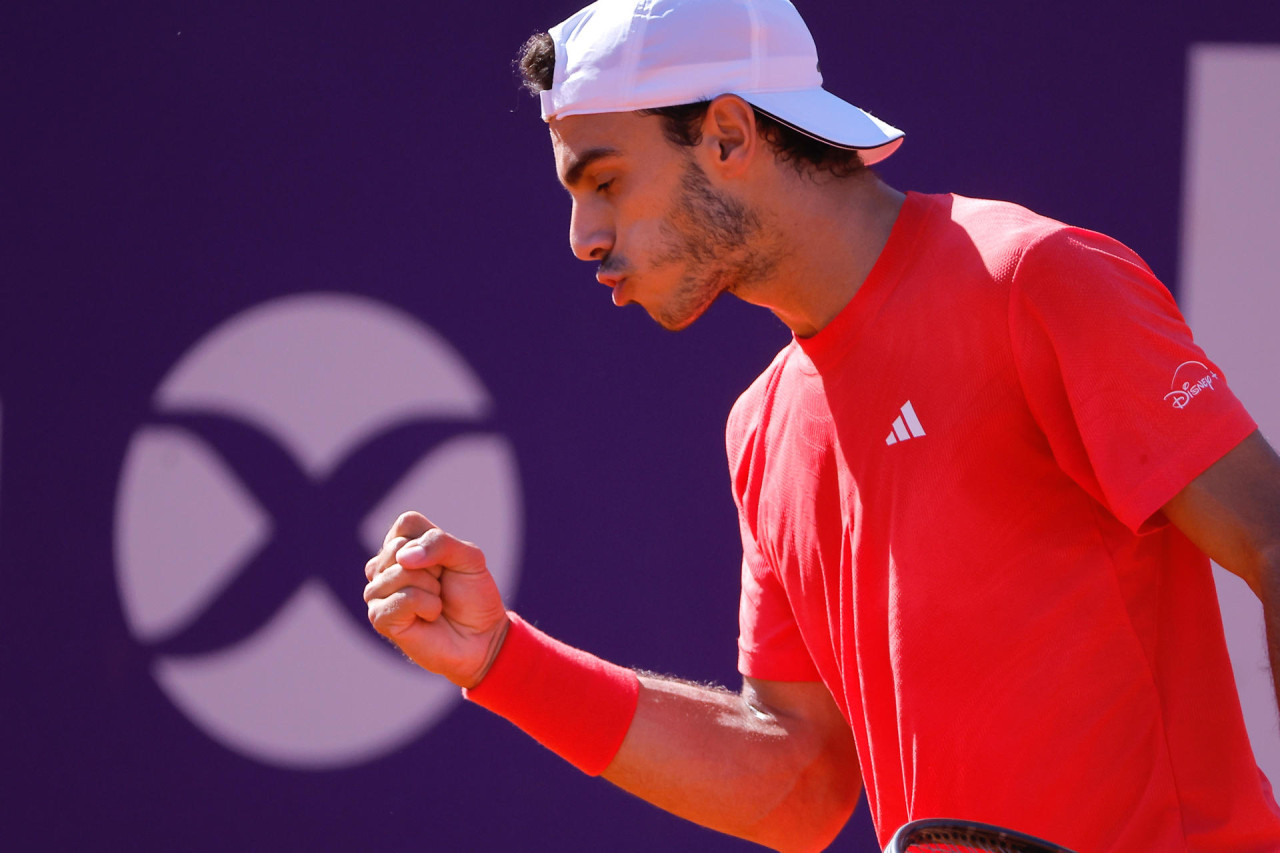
x=590, y=235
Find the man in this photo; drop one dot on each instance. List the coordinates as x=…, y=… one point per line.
x=976, y=491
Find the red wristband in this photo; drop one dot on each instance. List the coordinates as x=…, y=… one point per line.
x=571, y=702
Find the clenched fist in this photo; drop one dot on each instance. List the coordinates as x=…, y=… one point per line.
x=431, y=594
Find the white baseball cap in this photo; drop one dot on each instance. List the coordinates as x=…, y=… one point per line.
x=623, y=55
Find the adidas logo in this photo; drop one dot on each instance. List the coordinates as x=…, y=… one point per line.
x=905, y=426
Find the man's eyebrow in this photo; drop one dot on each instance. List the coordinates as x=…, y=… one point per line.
x=574, y=173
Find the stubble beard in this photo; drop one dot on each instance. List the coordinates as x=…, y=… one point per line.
x=718, y=241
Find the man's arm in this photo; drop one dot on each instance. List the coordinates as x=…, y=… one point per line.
x=776, y=764
x=1232, y=513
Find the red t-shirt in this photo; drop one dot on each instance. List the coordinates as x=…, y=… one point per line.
x=949, y=500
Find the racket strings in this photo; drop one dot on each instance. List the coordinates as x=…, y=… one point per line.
x=939, y=840
x=948, y=847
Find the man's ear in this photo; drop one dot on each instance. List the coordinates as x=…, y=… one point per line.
x=729, y=135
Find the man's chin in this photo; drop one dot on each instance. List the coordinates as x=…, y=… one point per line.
x=668, y=323
x=677, y=322
x=680, y=313
x=676, y=327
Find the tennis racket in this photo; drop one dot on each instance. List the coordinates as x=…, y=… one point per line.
x=944, y=835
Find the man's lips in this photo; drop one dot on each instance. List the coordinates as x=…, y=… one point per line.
x=617, y=282
x=619, y=292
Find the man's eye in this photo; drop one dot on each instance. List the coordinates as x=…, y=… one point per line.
x=604, y=186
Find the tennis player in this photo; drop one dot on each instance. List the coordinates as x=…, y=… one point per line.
x=978, y=490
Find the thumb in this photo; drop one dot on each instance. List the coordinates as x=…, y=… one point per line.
x=436, y=550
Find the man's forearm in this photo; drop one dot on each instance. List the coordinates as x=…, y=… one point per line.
x=788, y=779
x=1268, y=590
x=1232, y=513
x=776, y=764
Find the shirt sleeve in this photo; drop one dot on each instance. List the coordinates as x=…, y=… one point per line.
x=1132, y=408
x=770, y=646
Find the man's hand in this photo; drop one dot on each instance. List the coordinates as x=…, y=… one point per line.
x=431, y=594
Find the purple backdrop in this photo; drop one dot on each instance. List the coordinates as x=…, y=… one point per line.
x=268, y=269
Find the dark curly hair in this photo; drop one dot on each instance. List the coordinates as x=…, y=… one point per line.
x=682, y=123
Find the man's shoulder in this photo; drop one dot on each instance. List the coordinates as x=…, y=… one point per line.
x=1001, y=228
x=1003, y=235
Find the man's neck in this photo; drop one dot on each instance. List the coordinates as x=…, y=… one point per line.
x=831, y=231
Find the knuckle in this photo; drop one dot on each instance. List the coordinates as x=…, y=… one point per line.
x=388, y=615
x=422, y=603
x=405, y=519
x=408, y=524
x=377, y=616
x=407, y=604
x=384, y=584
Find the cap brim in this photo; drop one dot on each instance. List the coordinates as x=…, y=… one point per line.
x=820, y=114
